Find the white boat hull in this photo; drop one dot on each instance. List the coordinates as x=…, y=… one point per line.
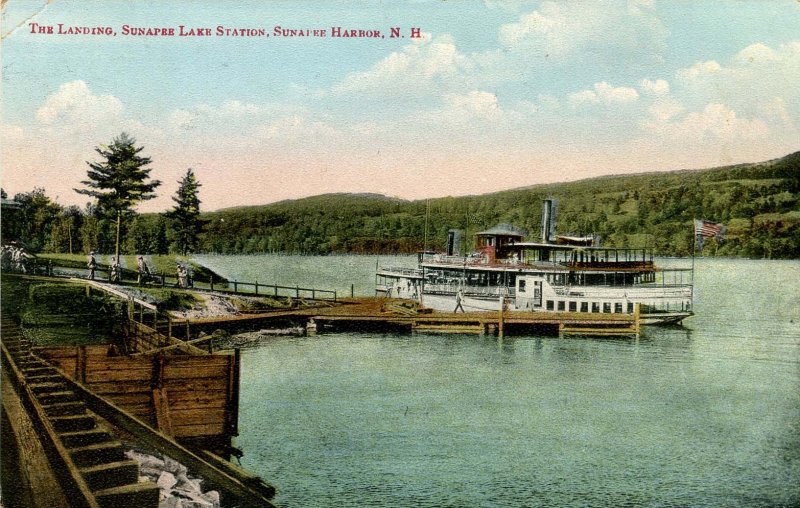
x=470, y=303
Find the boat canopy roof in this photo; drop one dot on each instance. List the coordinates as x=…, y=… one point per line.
x=504, y=229
x=564, y=247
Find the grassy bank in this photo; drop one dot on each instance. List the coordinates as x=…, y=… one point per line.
x=157, y=263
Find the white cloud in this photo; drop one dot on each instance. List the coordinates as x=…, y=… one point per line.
x=657, y=87
x=222, y=116
x=558, y=29
x=755, y=54
x=74, y=104
x=664, y=109
x=603, y=93
x=429, y=62
x=698, y=70
x=755, y=80
x=716, y=122
x=475, y=104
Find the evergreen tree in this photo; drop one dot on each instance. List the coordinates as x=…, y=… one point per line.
x=120, y=181
x=186, y=222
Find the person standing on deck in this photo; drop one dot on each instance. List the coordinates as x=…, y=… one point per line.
x=459, y=298
x=91, y=264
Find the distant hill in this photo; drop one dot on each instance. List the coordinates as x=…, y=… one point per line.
x=758, y=202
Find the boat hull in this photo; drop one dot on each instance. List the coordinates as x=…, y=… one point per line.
x=469, y=303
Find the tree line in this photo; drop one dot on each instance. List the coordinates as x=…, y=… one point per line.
x=759, y=204
x=117, y=182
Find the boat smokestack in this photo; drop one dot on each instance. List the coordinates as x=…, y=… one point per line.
x=549, y=213
x=454, y=237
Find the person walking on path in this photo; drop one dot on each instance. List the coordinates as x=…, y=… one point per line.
x=144, y=272
x=459, y=298
x=91, y=264
x=183, y=275
x=115, y=275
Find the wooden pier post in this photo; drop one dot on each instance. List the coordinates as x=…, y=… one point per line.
x=311, y=327
x=500, y=330
x=211, y=281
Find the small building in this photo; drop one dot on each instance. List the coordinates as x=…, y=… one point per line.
x=496, y=242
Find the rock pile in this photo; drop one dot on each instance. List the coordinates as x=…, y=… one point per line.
x=177, y=489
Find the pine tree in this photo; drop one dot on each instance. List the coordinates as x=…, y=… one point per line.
x=186, y=222
x=120, y=181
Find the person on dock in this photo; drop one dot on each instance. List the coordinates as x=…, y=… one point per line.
x=143, y=270
x=91, y=264
x=459, y=298
x=114, y=275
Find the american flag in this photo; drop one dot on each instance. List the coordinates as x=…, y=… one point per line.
x=708, y=229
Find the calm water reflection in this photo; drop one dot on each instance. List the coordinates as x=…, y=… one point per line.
x=707, y=415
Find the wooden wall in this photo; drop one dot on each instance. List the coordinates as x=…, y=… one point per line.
x=180, y=395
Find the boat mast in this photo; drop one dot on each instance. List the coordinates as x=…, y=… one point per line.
x=427, y=215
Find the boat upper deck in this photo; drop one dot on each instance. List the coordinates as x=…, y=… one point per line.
x=557, y=265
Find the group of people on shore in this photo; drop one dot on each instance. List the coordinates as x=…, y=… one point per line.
x=15, y=258
x=143, y=273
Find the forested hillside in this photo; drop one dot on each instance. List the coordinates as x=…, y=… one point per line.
x=757, y=202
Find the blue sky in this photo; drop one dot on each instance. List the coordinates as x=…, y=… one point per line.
x=495, y=95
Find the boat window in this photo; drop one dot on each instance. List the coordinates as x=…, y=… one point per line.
x=561, y=305
x=618, y=308
x=595, y=307
x=584, y=306
x=522, y=286
x=549, y=304
x=607, y=307
x=630, y=307
x=573, y=306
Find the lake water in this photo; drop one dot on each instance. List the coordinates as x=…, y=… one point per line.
x=705, y=415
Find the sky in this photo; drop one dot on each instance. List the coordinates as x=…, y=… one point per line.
x=494, y=95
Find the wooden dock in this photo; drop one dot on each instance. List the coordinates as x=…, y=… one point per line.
x=356, y=314
x=374, y=313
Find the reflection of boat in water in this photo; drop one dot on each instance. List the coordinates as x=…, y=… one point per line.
x=559, y=274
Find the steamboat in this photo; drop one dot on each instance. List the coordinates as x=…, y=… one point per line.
x=559, y=273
